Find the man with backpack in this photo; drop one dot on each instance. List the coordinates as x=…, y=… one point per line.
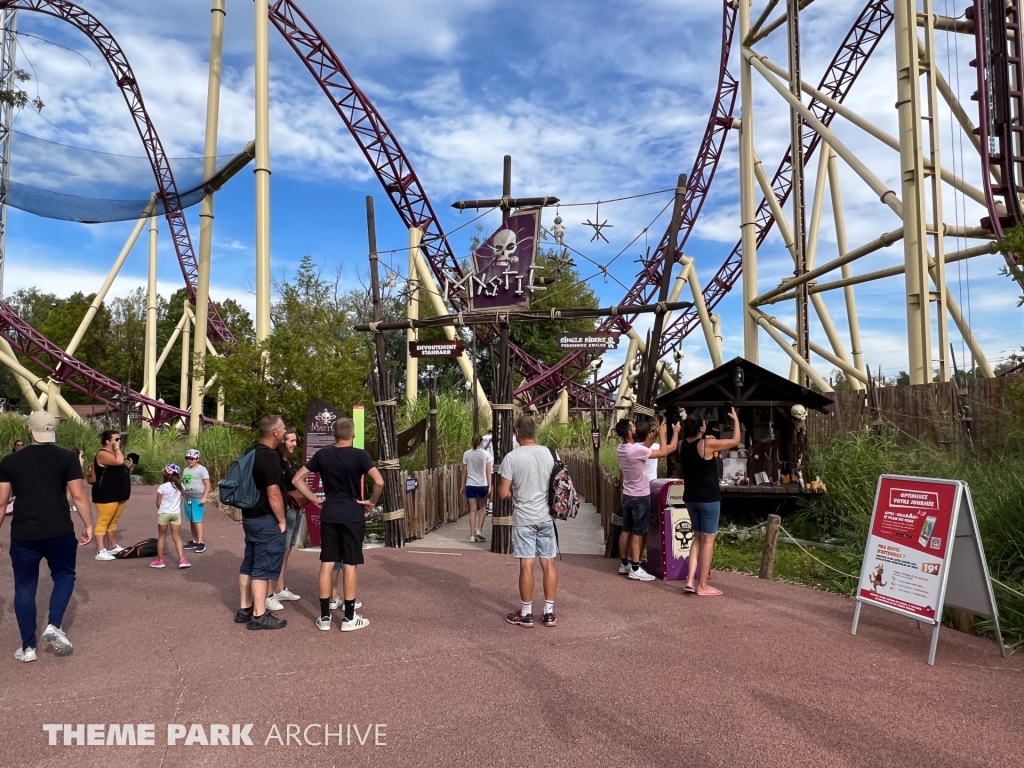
x=526, y=479
x=258, y=493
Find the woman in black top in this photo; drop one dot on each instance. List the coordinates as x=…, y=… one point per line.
x=702, y=495
x=110, y=493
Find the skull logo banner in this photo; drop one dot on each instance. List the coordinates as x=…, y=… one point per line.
x=503, y=264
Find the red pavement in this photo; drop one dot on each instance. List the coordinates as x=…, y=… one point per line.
x=634, y=674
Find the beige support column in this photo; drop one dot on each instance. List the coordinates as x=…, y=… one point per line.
x=149, y=364
x=24, y=384
x=563, y=407
x=220, y=404
x=794, y=371
x=748, y=225
x=8, y=358
x=186, y=350
x=412, y=368
x=102, y=293
x=716, y=329
x=802, y=364
x=714, y=349
x=429, y=289
x=168, y=347
x=624, y=388
x=856, y=349
x=262, y=171
x=912, y=173
x=206, y=214
x=53, y=401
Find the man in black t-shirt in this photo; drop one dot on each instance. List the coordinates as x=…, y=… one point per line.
x=342, y=517
x=40, y=476
x=264, y=527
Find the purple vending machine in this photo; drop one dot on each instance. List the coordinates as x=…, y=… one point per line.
x=670, y=534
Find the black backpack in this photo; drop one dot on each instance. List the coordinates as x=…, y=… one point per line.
x=145, y=548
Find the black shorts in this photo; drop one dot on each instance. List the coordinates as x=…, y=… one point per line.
x=342, y=542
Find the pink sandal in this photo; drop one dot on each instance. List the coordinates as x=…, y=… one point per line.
x=710, y=593
x=689, y=591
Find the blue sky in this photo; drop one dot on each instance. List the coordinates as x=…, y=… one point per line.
x=594, y=100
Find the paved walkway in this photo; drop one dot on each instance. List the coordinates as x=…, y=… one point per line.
x=634, y=674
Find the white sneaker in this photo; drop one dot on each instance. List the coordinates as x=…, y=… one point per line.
x=58, y=640
x=358, y=622
x=25, y=654
x=105, y=554
x=287, y=594
x=640, y=575
x=273, y=604
x=624, y=569
x=324, y=624
x=116, y=549
x=336, y=604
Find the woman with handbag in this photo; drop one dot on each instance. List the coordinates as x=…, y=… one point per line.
x=110, y=477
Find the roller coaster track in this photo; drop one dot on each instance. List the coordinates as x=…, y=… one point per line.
x=28, y=341
x=997, y=32
x=847, y=64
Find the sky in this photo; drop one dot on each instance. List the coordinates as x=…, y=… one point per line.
x=594, y=100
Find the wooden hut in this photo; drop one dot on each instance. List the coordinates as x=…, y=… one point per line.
x=769, y=467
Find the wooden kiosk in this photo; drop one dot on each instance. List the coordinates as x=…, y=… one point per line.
x=768, y=471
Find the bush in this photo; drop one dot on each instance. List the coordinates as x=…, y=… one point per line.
x=850, y=465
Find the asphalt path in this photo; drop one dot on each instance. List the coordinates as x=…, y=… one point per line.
x=635, y=674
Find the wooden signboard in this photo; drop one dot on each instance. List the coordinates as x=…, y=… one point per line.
x=436, y=348
x=599, y=340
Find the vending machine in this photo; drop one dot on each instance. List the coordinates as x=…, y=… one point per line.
x=670, y=534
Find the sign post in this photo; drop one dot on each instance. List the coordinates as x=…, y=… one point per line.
x=924, y=552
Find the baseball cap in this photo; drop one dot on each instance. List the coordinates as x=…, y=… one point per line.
x=43, y=427
x=172, y=469
x=192, y=453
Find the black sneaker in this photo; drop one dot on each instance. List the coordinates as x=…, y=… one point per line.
x=549, y=620
x=517, y=618
x=189, y=545
x=266, y=621
x=243, y=615
x=200, y=547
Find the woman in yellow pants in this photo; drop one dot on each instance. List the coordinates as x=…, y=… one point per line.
x=110, y=493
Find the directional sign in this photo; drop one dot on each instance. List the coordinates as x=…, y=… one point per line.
x=436, y=348
x=600, y=340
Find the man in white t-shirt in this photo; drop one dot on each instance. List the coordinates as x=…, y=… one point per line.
x=525, y=478
x=635, y=508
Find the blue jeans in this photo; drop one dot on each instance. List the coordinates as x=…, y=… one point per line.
x=704, y=516
x=534, y=541
x=60, y=553
x=292, y=518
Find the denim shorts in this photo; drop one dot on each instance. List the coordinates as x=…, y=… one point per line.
x=292, y=517
x=636, y=514
x=534, y=540
x=264, y=548
x=704, y=516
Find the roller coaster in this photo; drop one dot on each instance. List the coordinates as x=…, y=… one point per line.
x=995, y=28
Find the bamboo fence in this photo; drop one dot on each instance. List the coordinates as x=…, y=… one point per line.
x=587, y=477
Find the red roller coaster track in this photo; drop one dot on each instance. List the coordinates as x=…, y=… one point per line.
x=25, y=339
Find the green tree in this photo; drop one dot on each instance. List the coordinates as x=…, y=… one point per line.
x=311, y=351
x=1013, y=244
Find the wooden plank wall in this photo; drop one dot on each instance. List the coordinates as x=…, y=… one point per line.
x=586, y=477
x=438, y=499
x=940, y=413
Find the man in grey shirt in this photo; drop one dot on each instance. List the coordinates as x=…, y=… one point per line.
x=525, y=478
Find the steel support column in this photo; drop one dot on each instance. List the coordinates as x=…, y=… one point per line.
x=217, y=14
x=262, y=171
x=748, y=222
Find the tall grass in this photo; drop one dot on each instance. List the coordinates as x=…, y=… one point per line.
x=850, y=465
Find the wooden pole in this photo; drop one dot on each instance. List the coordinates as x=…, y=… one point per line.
x=596, y=444
x=648, y=384
x=501, y=415
x=771, y=543
x=432, y=423
x=385, y=406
